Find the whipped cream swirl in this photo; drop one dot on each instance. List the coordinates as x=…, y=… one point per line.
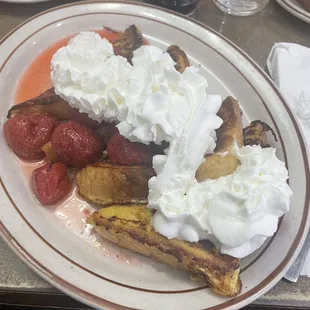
x=162, y=100
x=237, y=212
x=88, y=75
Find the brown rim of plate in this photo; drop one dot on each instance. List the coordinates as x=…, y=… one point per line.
x=97, y=300
x=96, y=274
x=302, y=11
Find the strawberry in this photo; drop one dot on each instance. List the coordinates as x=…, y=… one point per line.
x=27, y=133
x=75, y=144
x=50, y=183
x=124, y=152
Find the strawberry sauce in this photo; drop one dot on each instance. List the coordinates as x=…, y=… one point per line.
x=73, y=211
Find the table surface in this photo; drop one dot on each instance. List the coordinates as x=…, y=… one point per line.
x=255, y=35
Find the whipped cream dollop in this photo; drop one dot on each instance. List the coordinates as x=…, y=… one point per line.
x=88, y=75
x=237, y=212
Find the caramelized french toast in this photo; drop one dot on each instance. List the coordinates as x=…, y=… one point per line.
x=223, y=162
x=255, y=134
x=47, y=102
x=130, y=227
x=104, y=183
x=130, y=40
x=179, y=57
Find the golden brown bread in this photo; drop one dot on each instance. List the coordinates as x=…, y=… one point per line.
x=223, y=162
x=49, y=152
x=130, y=227
x=105, y=183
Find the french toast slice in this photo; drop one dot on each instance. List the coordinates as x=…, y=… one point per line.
x=256, y=134
x=130, y=227
x=47, y=102
x=130, y=40
x=105, y=183
x=223, y=162
x=179, y=57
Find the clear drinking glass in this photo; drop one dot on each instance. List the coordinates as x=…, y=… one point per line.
x=241, y=7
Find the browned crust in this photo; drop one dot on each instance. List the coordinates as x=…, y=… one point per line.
x=104, y=183
x=231, y=129
x=130, y=40
x=179, y=57
x=130, y=227
x=47, y=102
x=256, y=134
x=223, y=162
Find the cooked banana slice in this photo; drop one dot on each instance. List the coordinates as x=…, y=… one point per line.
x=223, y=162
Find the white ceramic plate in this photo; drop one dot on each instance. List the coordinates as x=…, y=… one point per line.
x=296, y=9
x=112, y=278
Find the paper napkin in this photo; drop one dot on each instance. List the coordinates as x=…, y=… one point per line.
x=289, y=67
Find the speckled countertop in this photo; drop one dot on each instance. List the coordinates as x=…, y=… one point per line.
x=255, y=35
